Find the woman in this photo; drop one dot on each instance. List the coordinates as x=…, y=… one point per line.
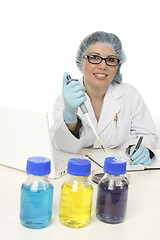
x=116, y=109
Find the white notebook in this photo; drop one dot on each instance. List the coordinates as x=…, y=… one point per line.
x=99, y=157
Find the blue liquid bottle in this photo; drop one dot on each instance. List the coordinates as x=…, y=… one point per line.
x=37, y=194
x=112, y=192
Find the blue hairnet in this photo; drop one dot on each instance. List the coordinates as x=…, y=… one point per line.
x=108, y=39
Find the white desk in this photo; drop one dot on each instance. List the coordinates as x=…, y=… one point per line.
x=142, y=218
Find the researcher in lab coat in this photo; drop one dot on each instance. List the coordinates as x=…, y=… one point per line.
x=116, y=109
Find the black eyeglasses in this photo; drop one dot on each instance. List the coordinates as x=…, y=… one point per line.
x=95, y=59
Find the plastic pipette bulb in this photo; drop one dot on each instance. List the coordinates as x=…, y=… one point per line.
x=85, y=111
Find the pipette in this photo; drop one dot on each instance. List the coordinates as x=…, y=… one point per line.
x=85, y=111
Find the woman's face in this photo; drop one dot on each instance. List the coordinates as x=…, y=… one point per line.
x=98, y=75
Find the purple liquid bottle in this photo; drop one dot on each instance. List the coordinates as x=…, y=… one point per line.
x=112, y=192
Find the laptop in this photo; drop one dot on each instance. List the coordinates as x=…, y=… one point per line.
x=24, y=134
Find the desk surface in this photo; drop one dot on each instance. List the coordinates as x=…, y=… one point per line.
x=142, y=219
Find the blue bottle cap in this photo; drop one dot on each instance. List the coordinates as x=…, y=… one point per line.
x=79, y=167
x=115, y=166
x=38, y=166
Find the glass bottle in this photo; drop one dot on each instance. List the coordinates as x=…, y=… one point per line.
x=76, y=194
x=37, y=194
x=112, y=192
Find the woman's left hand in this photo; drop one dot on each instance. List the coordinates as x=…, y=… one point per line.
x=141, y=156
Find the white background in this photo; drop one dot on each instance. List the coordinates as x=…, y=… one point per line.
x=39, y=40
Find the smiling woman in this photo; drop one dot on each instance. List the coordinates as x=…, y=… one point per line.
x=97, y=73
x=116, y=109
x=99, y=69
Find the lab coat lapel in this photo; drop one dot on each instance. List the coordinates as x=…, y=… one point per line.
x=111, y=106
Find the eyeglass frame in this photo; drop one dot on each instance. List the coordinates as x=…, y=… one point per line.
x=87, y=56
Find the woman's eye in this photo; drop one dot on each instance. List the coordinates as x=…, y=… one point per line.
x=94, y=57
x=112, y=59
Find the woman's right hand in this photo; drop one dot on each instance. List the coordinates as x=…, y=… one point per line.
x=73, y=96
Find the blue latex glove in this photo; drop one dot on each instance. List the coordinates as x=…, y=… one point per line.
x=73, y=96
x=141, y=156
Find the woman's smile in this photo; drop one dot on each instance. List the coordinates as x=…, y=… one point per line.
x=100, y=76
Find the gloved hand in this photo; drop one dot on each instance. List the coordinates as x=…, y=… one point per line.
x=140, y=156
x=73, y=96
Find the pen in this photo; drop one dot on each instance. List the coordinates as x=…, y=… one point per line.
x=138, y=145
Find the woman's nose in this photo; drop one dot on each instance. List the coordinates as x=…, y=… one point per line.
x=102, y=65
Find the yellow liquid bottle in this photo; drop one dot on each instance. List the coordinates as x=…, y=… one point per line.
x=76, y=195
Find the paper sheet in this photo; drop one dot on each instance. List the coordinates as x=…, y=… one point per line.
x=100, y=156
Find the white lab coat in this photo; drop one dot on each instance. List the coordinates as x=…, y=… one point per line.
x=133, y=120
